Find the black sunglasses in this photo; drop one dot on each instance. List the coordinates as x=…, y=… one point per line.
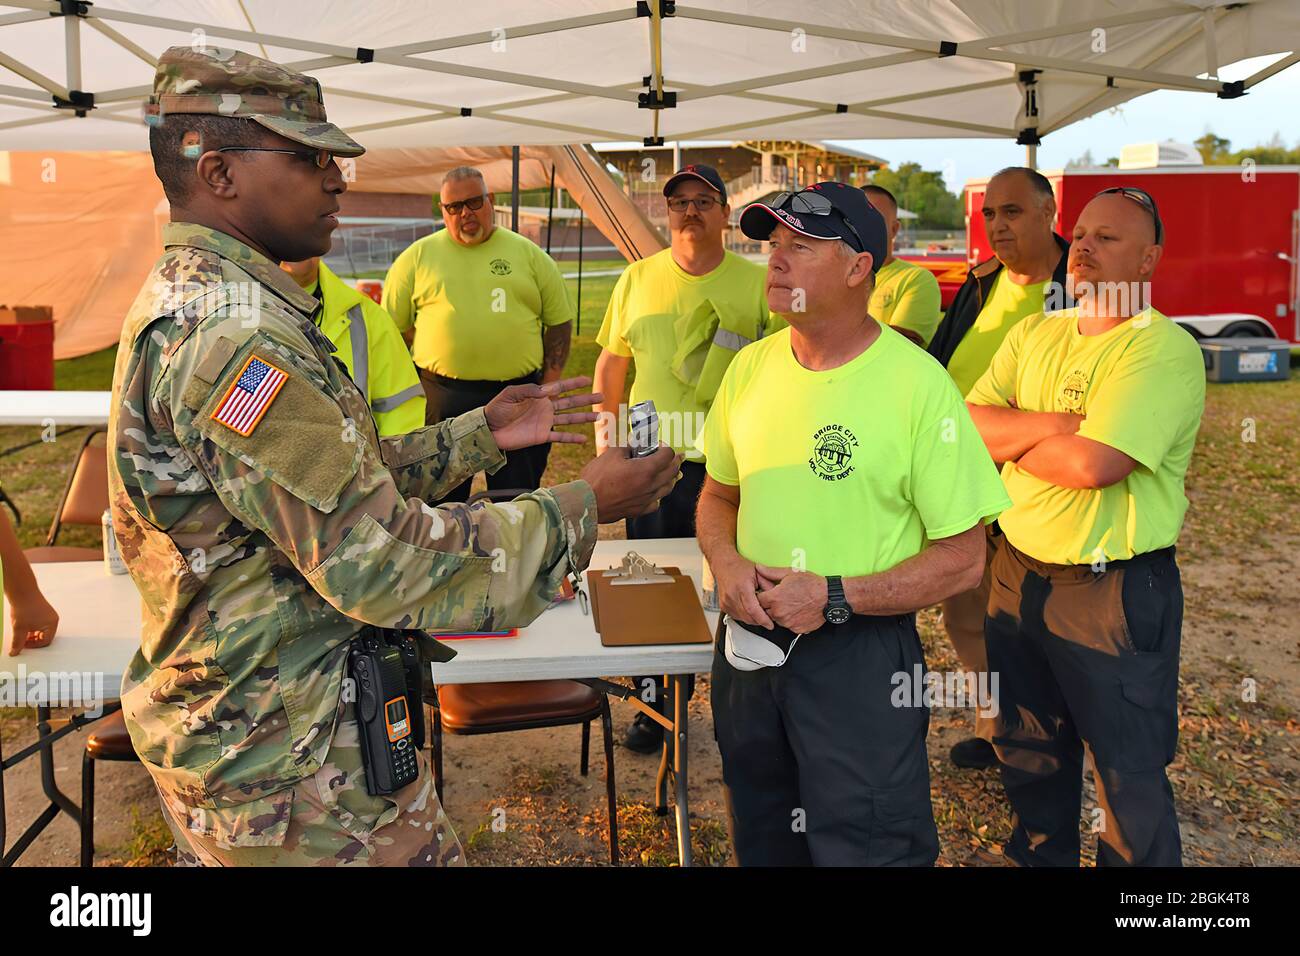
x=811, y=203
x=320, y=158
x=473, y=205
x=1143, y=199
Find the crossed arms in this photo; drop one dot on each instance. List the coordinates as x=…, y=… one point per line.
x=1046, y=445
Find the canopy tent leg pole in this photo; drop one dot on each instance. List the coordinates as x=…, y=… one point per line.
x=72, y=50
x=1027, y=122
x=514, y=188
x=581, y=224
x=550, y=209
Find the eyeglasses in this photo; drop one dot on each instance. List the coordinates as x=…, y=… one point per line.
x=320, y=158
x=702, y=203
x=473, y=205
x=815, y=204
x=1143, y=199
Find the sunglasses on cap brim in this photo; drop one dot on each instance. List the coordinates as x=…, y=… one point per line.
x=1143, y=199
x=815, y=204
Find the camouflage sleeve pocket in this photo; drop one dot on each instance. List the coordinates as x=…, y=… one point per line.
x=267, y=413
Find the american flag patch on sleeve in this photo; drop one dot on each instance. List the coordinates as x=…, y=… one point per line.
x=247, y=400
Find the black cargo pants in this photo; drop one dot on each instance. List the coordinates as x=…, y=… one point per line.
x=821, y=768
x=1087, y=660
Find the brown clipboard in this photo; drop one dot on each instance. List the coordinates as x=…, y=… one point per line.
x=633, y=615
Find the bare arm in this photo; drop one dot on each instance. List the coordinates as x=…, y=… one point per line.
x=610, y=379
x=33, y=620
x=947, y=566
x=1073, y=461
x=555, y=350
x=736, y=578
x=1010, y=432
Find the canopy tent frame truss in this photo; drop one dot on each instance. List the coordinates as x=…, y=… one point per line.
x=50, y=100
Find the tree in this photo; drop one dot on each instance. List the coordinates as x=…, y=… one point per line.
x=1213, y=149
x=1082, y=162
x=1216, y=151
x=923, y=192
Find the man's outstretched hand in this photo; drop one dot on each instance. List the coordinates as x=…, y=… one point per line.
x=626, y=487
x=525, y=415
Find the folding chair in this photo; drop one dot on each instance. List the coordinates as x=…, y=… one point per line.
x=85, y=497
x=495, y=708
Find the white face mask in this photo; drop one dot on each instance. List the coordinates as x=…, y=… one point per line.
x=747, y=651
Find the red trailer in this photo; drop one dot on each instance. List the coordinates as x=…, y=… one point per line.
x=1232, y=240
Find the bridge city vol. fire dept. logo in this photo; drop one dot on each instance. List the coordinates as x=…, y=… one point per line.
x=832, y=457
x=1073, y=390
x=499, y=267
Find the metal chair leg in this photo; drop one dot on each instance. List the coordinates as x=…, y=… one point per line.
x=586, y=746
x=607, y=728
x=436, y=737
x=87, y=810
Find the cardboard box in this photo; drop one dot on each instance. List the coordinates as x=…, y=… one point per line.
x=21, y=314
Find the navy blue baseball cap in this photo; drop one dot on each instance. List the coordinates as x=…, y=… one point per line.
x=705, y=174
x=828, y=210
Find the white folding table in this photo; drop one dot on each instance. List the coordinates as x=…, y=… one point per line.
x=563, y=643
x=99, y=631
x=63, y=408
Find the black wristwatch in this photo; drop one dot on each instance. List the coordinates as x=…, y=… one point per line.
x=837, y=610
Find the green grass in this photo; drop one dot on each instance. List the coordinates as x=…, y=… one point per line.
x=149, y=841
x=93, y=372
x=1242, y=490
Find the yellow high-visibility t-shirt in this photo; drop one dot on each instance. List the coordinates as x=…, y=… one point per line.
x=1006, y=306
x=652, y=301
x=478, y=311
x=1141, y=388
x=847, y=471
x=907, y=296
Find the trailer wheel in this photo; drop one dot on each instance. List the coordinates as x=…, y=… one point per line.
x=1243, y=330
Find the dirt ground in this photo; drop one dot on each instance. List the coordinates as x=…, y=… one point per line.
x=1234, y=778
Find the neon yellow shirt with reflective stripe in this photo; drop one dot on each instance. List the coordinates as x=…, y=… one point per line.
x=372, y=349
x=907, y=296
x=656, y=305
x=1141, y=388
x=847, y=471
x=478, y=311
x=1007, y=305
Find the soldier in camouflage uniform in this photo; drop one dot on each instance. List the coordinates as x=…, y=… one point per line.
x=264, y=521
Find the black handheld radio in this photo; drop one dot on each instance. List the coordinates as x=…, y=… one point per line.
x=389, y=718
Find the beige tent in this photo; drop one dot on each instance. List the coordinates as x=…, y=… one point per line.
x=79, y=230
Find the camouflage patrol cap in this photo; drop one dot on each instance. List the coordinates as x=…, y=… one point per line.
x=223, y=82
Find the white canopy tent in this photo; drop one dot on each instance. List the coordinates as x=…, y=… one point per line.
x=407, y=78
x=410, y=74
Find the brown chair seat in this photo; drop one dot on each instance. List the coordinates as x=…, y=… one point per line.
x=47, y=554
x=473, y=706
x=108, y=740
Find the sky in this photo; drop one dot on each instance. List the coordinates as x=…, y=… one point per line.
x=1246, y=121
